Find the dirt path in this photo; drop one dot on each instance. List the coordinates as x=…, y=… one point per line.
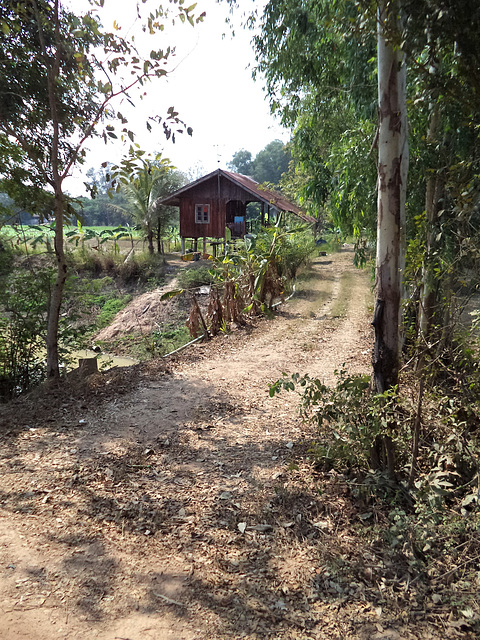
x=173, y=508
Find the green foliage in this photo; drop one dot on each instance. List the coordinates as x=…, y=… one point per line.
x=319, y=61
x=23, y=311
x=103, y=210
x=319, y=64
x=144, y=183
x=35, y=30
x=253, y=277
x=285, y=249
x=256, y=270
x=167, y=339
x=242, y=162
x=6, y=257
x=271, y=163
x=349, y=417
x=268, y=165
x=56, y=95
x=110, y=309
x=191, y=278
x=38, y=238
x=296, y=252
x=29, y=32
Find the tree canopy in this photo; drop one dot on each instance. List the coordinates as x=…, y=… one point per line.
x=143, y=185
x=268, y=165
x=60, y=73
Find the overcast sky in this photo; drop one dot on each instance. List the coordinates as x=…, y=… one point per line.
x=211, y=87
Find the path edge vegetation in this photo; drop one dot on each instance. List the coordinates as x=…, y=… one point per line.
x=315, y=59
x=408, y=433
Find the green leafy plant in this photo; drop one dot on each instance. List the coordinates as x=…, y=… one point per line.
x=193, y=277
x=110, y=309
x=349, y=417
x=23, y=304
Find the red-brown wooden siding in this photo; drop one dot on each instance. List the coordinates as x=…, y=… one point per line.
x=191, y=229
x=208, y=193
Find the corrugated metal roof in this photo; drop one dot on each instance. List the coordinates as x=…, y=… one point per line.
x=259, y=194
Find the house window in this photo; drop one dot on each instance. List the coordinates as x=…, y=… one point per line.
x=202, y=213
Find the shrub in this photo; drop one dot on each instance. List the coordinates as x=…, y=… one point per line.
x=168, y=339
x=109, y=310
x=193, y=277
x=349, y=417
x=6, y=257
x=22, y=330
x=297, y=250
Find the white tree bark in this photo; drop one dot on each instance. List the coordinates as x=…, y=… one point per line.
x=391, y=185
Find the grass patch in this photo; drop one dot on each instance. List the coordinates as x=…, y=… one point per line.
x=193, y=277
x=169, y=339
x=145, y=347
x=309, y=287
x=340, y=305
x=109, y=310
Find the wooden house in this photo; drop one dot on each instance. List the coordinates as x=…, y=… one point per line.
x=215, y=206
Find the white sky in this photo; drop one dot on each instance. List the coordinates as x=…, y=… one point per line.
x=210, y=86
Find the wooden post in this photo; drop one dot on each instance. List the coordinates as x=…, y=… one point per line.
x=183, y=246
x=195, y=245
x=204, y=245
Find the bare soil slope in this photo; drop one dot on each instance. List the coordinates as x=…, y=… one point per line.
x=162, y=502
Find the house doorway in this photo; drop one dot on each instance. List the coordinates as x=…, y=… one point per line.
x=235, y=218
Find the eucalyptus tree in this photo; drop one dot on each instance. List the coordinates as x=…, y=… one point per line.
x=392, y=188
x=59, y=76
x=317, y=59
x=318, y=63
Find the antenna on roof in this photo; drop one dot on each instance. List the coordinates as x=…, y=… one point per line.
x=219, y=154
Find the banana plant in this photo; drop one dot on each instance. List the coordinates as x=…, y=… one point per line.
x=82, y=234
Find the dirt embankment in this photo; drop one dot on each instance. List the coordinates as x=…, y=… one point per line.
x=176, y=502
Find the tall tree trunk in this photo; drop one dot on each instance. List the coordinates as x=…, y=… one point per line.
x=56, y=295
x=391, y=185
x=392, y=182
